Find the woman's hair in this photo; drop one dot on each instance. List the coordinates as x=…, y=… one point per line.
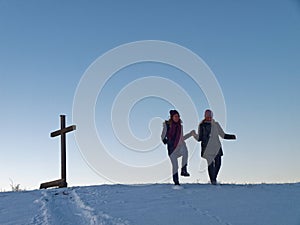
x=170, y=121
x=172, y=113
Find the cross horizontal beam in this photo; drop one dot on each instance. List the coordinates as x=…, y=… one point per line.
x=63, y=131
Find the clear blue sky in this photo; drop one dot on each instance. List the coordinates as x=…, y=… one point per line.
x=252, y=47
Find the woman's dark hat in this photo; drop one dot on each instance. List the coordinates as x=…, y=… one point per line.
x=173, y=112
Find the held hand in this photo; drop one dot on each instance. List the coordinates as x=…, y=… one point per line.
x=193, y=132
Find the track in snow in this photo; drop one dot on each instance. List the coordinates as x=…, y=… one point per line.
x=64, y=206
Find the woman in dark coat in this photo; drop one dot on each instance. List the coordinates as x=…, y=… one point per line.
x=172, y=135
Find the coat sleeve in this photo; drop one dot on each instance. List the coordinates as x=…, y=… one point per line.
x=223, y=134
x=188, y=135
x=164, y=132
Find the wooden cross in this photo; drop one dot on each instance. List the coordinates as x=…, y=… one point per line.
x=62, y=132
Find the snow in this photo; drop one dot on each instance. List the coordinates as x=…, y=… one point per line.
x=226, y=204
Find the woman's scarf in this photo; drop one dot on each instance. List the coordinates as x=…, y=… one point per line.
x=174, y=133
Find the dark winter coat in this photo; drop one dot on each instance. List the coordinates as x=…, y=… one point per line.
x=204, y=130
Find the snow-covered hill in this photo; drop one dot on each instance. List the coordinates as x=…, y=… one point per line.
x=265, y=204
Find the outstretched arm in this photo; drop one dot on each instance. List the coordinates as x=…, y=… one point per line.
x=224, y=135
x=195, y=135
x=188, y=135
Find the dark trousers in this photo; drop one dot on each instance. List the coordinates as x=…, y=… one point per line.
x=213, y=169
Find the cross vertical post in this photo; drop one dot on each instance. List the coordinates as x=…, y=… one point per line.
x=63, y=148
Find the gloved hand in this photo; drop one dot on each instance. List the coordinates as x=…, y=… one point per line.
x=230, y=137
x=165, y=141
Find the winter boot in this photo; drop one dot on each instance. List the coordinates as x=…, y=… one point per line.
x=184, y=172
x=175, y=179
x=213, y=182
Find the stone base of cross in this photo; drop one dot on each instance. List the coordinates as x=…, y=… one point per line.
x=62, y=132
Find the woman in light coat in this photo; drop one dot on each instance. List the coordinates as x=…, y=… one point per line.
x=211, y=149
